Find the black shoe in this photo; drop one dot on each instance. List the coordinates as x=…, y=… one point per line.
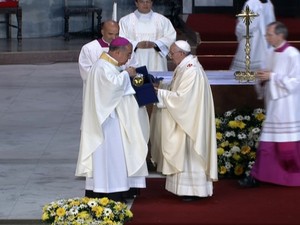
x=89, y=194
x=190, y=198
x=249, y=182
x=117, y=197
x=99, y=195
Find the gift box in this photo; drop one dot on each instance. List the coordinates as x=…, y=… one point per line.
x=9, y=3
x=145, y=94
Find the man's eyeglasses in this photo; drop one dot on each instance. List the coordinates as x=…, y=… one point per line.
x=170, y=54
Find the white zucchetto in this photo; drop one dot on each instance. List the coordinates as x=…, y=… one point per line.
x=183, y=45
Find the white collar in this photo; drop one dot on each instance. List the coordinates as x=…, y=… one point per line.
x=143, y=15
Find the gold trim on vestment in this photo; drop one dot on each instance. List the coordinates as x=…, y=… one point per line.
x=109, y=59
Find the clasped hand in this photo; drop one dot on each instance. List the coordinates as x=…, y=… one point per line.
x=145, y=44
x=263, y=75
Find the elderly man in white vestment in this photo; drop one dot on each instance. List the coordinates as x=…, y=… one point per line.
x=115, y=130
x=183, y=132
x=278, y=153
x=257, y=30
x=151, y=35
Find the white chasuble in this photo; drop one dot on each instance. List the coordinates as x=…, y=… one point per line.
x=113, y=146
x=183, y=134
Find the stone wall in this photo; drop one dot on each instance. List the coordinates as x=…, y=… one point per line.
x=45, y=18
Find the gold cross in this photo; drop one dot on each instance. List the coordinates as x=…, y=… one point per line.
x=247, y=15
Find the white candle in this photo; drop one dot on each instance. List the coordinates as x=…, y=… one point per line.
x=114, y=13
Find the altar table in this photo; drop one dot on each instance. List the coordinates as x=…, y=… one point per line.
x=228, y=93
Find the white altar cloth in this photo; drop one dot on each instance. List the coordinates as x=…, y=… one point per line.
x=215, y=77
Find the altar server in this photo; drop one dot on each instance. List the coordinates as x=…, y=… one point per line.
x=151, y=35
x=183, y=132
x=278, y=153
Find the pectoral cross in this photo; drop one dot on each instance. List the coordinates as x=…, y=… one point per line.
x=247, y=15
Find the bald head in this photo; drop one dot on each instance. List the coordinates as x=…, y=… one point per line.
x=109, y=30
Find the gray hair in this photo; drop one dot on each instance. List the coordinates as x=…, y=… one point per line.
x=280, y=28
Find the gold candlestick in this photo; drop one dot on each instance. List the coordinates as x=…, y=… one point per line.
x=246, y=75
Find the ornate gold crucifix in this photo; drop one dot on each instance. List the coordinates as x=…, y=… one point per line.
x=247, y=16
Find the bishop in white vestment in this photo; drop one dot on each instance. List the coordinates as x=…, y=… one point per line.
x=115, y=130
x=89, y=54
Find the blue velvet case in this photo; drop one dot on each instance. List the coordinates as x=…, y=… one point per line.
x=145, y=94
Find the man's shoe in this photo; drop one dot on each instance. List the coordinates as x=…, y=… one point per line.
x=89, y=194
x=249, y=182
x=190, y=198
x=116, y=196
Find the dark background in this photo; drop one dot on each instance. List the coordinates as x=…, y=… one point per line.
x=288, y=8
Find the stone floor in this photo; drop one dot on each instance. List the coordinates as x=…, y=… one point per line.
x=40, y=111
x=40, y=50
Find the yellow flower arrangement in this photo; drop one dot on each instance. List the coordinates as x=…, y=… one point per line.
x=237, y=135
x=82, y=211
